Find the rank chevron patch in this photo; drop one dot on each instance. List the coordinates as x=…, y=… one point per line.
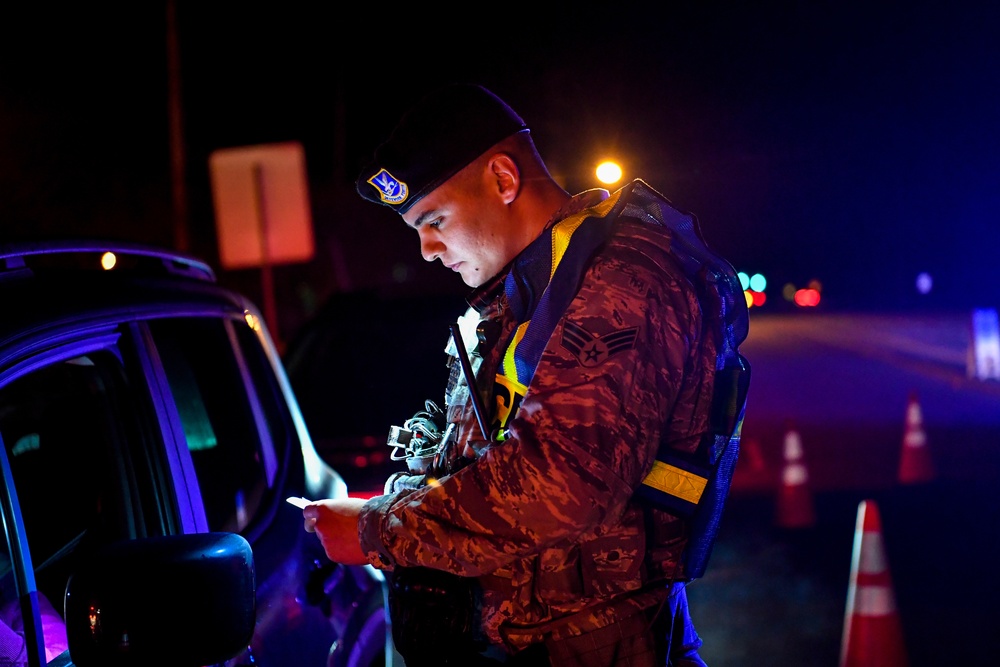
x=592, y=350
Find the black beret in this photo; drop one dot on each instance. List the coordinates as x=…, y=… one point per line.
x=445, y=131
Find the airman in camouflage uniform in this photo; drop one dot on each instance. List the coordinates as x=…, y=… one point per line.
x=594, y=354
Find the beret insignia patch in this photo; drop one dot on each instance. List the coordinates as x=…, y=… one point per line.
x=592, y=350
x=391, y=190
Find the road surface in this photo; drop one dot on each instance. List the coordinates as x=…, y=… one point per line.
x=775, y=595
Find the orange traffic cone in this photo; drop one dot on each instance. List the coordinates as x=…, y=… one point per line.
x=873, y=634
x=795, y=501
x=751, y=472
x=915, y=461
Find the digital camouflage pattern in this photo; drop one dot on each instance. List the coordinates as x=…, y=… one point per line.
x=546, y=519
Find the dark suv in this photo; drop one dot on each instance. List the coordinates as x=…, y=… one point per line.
x=149, y=440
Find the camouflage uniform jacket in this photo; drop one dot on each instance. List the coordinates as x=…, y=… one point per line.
x=546, y=518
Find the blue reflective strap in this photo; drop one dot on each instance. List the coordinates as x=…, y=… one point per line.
x=729, y=407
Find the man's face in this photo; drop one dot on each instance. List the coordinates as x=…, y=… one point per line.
x=462, y=225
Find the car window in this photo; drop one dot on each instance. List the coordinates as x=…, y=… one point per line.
x=62, y=426
x=225, y=426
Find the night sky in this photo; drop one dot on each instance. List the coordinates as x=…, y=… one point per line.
x=825, y=140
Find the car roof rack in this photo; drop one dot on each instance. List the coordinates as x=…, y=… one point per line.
x=15, y=256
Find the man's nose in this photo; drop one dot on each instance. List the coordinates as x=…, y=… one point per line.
x=430, y=248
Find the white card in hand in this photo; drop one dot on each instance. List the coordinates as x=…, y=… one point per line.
x=298, y=502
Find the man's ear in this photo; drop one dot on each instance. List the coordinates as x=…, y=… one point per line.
x=507, y=176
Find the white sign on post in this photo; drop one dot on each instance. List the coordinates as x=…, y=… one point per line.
x=985, y=353
x=262, y=212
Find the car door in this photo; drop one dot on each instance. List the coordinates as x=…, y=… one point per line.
x=71, y=430
x=239, y=448
x=154, y=426
x=236, y=451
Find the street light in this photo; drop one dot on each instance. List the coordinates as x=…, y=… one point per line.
x=609, y=172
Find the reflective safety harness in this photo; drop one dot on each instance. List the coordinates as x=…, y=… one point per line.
x=541, y=284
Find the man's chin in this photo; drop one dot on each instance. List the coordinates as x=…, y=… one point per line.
x=470, y=276
x=476, y=278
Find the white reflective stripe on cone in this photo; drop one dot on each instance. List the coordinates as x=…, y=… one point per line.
x=874, y=601
x=794, y=474
x=873, y=559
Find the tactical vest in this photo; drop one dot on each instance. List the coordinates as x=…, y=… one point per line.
x=692, y=486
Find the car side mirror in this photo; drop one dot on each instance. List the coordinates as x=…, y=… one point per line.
x=176, y=600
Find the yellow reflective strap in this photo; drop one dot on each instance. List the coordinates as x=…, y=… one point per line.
x=509, y=368
x=508, y=400
x=563, y=230
x=561, y=234
x=676, y=482
x=508, y=385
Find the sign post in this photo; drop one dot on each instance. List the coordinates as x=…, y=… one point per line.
x=262, y=212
